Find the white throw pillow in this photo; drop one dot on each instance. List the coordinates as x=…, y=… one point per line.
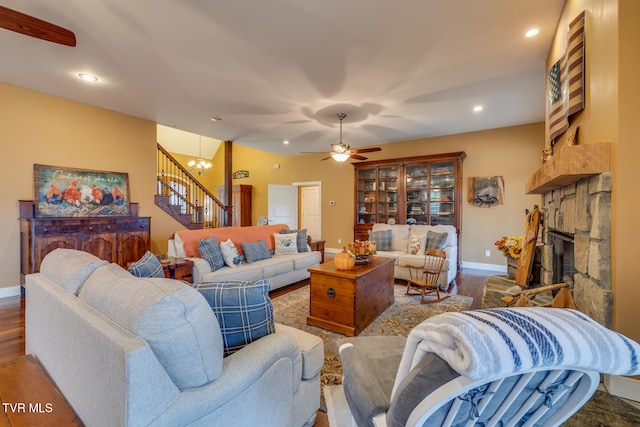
x=230, y=253
x=286, y=244
x=179, y=246
x=417, y=244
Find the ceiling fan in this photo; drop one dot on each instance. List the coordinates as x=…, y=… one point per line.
x=25, y=24
x=341, y=152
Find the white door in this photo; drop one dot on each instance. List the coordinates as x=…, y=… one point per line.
x=310, y=211
x=283, y=205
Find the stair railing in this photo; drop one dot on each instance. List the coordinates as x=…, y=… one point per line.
x=187, y=192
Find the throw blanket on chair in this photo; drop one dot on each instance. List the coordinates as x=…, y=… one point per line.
x=484, y=343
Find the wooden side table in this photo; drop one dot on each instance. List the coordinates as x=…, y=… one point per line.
x=318, y=245
x=29, y=397
x=179, y=268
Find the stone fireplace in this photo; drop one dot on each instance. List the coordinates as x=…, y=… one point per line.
x=576, y=226
x=576, y=238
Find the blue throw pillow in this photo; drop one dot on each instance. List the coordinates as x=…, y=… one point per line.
x=210, y=250
x=255, y=251
x=302, y=238
x=147, y=266
x=243, y=309
x=382, y=239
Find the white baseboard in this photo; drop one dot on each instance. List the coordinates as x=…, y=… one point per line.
x=498, y=268
x=624, y=387
x=10, y=291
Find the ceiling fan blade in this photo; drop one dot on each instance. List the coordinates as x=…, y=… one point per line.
x=366, y=150
x=357, y=157
x=326, y=158
x=24, y=24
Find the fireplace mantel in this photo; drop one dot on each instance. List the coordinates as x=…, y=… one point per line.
x=570, y=165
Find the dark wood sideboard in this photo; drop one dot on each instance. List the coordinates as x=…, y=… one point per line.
x=121, y=239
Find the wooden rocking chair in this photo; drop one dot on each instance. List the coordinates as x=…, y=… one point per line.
x=425, y=277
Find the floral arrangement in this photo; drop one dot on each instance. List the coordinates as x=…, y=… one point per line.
x=510, y=246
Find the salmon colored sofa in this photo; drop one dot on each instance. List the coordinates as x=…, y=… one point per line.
x=279, y=271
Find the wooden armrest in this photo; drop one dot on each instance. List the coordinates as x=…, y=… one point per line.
x=414, y=266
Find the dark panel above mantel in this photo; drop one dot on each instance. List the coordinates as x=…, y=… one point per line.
x=570, y=165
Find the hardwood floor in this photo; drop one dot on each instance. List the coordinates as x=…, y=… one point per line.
x=12, y=333
x=11, y=328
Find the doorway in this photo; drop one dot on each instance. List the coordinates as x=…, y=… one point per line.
x=310, y=207
x=299, y=205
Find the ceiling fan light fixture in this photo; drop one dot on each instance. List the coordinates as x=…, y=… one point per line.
x=340, y=157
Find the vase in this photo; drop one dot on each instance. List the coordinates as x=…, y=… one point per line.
x=512, y=267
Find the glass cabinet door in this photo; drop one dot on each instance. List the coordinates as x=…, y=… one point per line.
x=388, y=193
x=441, y=193
x=416, y=193
x=367, y=201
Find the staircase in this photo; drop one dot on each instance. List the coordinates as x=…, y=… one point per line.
x=183, y=197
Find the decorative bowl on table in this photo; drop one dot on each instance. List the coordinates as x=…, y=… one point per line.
x=362, y=250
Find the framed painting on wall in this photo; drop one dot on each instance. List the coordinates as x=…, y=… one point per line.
x=71, y=192
x=485, y=192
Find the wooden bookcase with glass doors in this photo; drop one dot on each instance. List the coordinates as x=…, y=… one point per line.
x=419, y=190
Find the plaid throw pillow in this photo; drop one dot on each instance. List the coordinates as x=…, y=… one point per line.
x=435, y=240
x=210, y=251
x=302, y=238
x=255, y=251
x=147, y=266
x=243, y=309
x=382, y=238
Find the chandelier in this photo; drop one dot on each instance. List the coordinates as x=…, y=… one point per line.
x=199, y=165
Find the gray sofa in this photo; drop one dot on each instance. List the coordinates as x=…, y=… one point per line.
x=128, y=351
x=279, y=271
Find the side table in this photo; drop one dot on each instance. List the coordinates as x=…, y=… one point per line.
x=29, y=397
x=318, y=245
x=179, y=268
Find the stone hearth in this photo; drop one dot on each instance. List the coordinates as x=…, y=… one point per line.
x=582, y=211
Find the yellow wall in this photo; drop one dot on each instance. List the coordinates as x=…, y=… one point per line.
x=626, y=227
x=39, y=128
x=610, y=115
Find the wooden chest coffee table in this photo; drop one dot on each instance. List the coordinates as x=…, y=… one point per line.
x=347, y=301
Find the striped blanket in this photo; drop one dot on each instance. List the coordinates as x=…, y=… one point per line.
x=483, y=343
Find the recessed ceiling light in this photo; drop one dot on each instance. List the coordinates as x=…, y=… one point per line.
x=88, y=77
x=532, y=32
x=285, y=142
x=477, y=108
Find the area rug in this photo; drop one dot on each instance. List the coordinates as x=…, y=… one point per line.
x=292, y=309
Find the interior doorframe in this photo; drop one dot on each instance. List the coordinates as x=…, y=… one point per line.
x=311, y=184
